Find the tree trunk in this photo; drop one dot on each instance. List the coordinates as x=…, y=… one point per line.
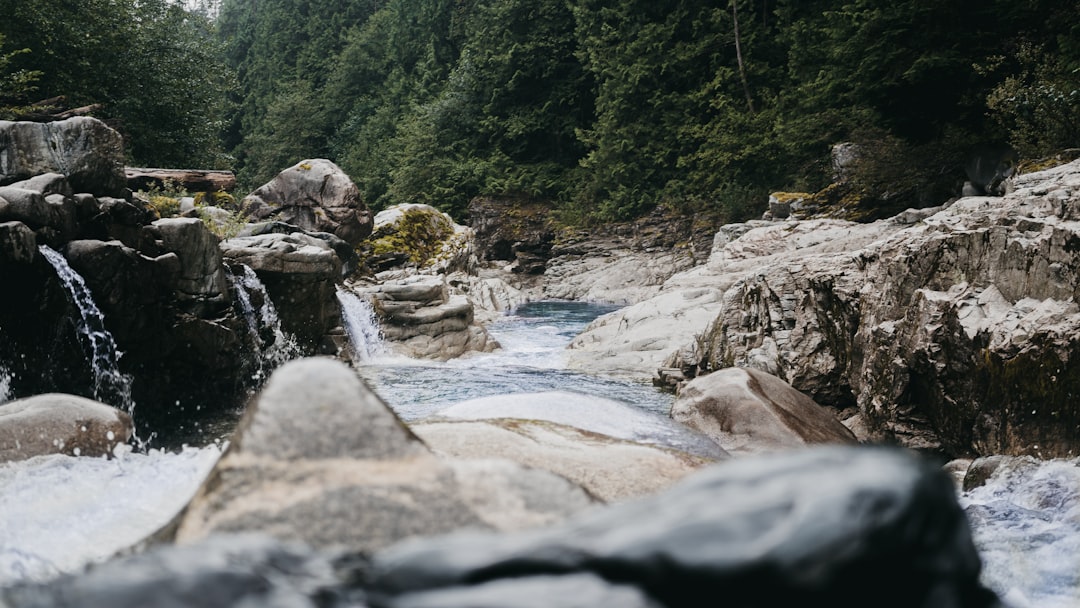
x=192, y=180
x=738, y=56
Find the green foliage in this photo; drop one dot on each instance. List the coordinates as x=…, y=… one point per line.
x=1040, y=105
x=164, y=198
x=15, y=85
x=152, y=66
x=609, y=108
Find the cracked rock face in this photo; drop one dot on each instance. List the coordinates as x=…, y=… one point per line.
x=958, y=334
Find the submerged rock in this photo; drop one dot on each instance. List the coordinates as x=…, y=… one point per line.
x=60, y=424
x=748, y=411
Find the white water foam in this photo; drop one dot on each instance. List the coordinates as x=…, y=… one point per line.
x=264, y=326
x=59, y=513
x=5, y=384
x=1026, y=526
x=362, y=326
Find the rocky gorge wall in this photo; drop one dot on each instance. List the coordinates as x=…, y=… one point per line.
x=946, y=329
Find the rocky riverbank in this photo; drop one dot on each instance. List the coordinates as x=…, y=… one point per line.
x=937, y=329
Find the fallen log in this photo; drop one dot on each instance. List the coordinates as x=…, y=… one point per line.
x=192, y=180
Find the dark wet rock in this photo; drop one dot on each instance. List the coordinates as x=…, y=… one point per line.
x=300, y=271
x=828, y=526
x=513, y=230
x=223, y=572
x=60, y=424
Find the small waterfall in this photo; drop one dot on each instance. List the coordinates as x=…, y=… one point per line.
x=361, y=324
x=110, y=386
x=5, y=385
x=264, y=325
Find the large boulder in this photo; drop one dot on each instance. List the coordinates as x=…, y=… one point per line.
x=85, y=150
x=825, y=526
x=201, y=284
x=419, y=238
x=747, y=411
x=315, y=195
x=60, y=424
x=319, y=458
x=54, y=213
x=829, y=526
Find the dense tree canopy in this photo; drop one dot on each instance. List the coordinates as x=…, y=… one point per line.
x=153, y=66
x=605, y=108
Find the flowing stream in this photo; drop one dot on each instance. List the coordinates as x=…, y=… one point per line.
x=58, y=513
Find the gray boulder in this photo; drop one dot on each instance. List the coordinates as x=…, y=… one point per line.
x=828, y=526
x=315, y=195
x=320, y=459
x=747, y=411
x=18, y=244
x=60, y=424
x=54, y=212
x=85, y=150
x=201, y=285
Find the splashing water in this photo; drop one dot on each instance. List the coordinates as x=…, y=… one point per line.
x=110, y=385
x=5, y=385
x=275, y=345
x=362, y=325
x=1026, y=525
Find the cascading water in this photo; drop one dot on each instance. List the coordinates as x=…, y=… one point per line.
x=264, y=325
x=110, y=385
x=5, y=385
x=362, y=325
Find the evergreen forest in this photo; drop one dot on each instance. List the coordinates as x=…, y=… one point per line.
x=605, y=108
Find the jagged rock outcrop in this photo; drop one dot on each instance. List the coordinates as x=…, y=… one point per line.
x=85, y=150
x=637, y=340
x=159, y=285
x=517, y=232
x=320, y=459
x=611, y=449
x=749, y=411
x=957, y=334
x=420, y=318
x=826, y=526
x=60, y=424
x=315, y=195
x=627, y=263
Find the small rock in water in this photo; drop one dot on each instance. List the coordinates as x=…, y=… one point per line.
x=58, y=423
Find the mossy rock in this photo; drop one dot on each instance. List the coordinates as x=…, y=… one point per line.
x=417, y=233
x=220, y=199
